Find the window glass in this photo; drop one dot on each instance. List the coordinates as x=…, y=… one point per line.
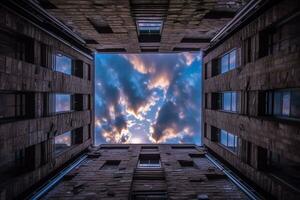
x=295, y=103
x=286, y=98
x=227, y=101
x=232, y=59
x=62, y=142
x=62, y=102
x=277, y=103
x=63, y=64
x=233, y=101
x=231, y=140
x=149, y=27
x=224, y=63
x=223, y=137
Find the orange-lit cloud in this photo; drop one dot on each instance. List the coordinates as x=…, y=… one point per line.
x=138, y=64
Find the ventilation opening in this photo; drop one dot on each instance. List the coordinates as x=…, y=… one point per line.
x=100, y=25
x=111, y=165
x=47, y=4
x=114, y=50
x=218, y=14
x=183, y=147
x=195, y=40
x=115, y=147
x=182, y=49
x=186, y=163
x=149, y=38
x=90, y=41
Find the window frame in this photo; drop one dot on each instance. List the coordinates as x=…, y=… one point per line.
x=231, y=110
x=228, y=53
x=270, y=103
x=234, y=148
x=65, y=55
x=138, y=26
x=148, y=158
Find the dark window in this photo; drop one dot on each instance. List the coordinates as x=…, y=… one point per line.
x=25, y=159
x=266, y=42
x=78, y=69
x=246, y=151
x=205, y=130
x=77, y=136
x=218, y=14
x=89, y=71
x=16, y=105
x=91, y=41
x=195, y=40
x=78, y=101
x=215, y=134
x=183, y=147
x=111, y=165
x=248, y=50
x=114, y=50
x=186, y=163
x=100, y=25
x=284, y=103
x=205, y=70
x=149, y=38
x=261, y=158
x=44, y=151
x=115, y=147
x=183, y=49
x=17, y=46
x=150, y=195
x=215, y=67
x=46, y=56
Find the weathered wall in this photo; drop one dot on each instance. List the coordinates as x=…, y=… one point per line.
x=278, y=70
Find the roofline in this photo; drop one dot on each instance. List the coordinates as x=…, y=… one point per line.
x=248, y=11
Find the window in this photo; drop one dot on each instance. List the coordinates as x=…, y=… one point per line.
x=183, y=147
x=25, y=159
x=149, y=27
x=284, y=103
x=247, y=49
x=111, y=165
x=149, y=161
x=266, y=42
x=186, y=163
x=63, y=63
x=16, y=105
x=18, y=47
x=246, y=151
x=62, y=142
x=228, y=140
x=62, y=102
x=228, y=61
x=151, y=195
x=229, y=101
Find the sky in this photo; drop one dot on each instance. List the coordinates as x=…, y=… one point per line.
x=148, y=98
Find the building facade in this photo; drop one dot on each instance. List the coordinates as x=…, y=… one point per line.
x=146, y=172
x=46, y=97
x=252, y=94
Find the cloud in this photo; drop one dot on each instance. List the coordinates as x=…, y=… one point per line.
x=149, y=91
